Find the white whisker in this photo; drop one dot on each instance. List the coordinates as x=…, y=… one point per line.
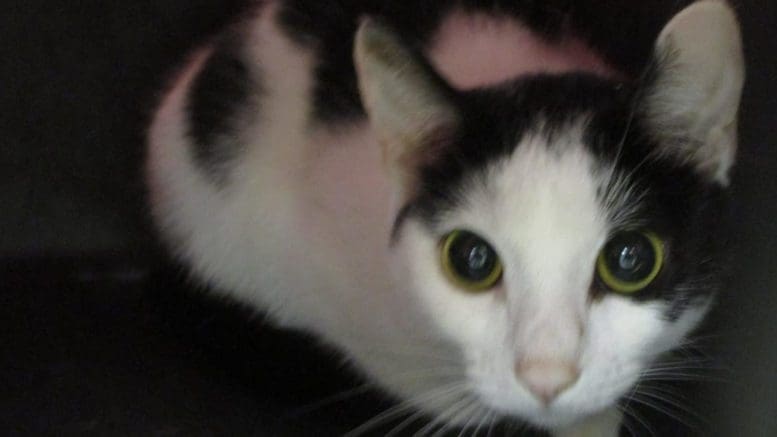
x=655, y=402
x=443, y=392
x=333, y=399
x=631, y=414
x=666, y=396
x=445, y=415
x=474, y=413
x=405, y=423
x=491, y=425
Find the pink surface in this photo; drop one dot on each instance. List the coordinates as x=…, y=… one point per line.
x=472, y=50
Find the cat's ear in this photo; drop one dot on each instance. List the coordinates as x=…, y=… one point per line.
x=693, y=101
x=410, y=107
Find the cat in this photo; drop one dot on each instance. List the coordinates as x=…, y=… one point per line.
x=485, y=213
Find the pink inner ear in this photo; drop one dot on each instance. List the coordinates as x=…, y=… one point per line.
x=474, y=50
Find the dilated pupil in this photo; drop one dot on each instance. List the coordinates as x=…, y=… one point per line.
x=630, y=256
x=471, y=257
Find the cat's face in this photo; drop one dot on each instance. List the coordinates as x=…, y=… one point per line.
x=559, y=232
x=549, y=341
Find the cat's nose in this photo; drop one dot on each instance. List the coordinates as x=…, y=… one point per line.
x=546, y=379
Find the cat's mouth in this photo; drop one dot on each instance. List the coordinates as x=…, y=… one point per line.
x=546, y=418
x=512, y=404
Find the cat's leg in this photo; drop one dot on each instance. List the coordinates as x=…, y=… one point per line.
x=606, y=424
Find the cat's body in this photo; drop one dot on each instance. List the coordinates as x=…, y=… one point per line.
x=269, y=180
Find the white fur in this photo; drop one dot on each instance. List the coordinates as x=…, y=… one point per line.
x=302, y=232
x=697, y=95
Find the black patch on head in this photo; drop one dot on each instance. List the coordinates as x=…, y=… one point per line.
x=219, y=93
x=623, y=32
x=494, y=122
x=684, y=208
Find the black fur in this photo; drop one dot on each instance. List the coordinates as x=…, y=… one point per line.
x=222, y=88
x=623, y=32
x=684, y=208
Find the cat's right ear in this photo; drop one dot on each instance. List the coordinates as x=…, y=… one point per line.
x=410, y=107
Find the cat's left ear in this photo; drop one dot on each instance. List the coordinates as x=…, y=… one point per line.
x=411, y=109
x=693, y=102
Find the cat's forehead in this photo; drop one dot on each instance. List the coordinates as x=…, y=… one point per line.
x=565, y=154
x=523, y=128
x=544, y=172
x=550, y=188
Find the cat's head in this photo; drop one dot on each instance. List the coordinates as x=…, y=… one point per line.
x=561, y=231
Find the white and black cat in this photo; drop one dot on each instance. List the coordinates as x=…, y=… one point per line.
x=474, y=201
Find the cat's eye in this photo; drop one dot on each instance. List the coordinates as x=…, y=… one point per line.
x=630, y=261
x=470, y=262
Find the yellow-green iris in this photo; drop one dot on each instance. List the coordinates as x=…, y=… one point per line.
x=630, y=261
x=469, y=261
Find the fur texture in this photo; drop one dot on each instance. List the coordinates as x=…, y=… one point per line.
x=318, y=189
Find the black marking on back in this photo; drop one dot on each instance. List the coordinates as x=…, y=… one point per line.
x=218, y=94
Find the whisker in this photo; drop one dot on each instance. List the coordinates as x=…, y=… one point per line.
x=444, y=373
x=445, y=415
x=632, y=414
x=491, y=426
x=688, y=365
x=405, y=423
x=661, y=409
x=625, y=423
x=698, y=339
x=477, y=418
x=410, y=420
x=622, y=143
x=685, y=354
x=333, y=399
x=666, y=396
x=682, y=377
x=475, y=408
x=470, y=410
x=678, y=368
x=410, y=404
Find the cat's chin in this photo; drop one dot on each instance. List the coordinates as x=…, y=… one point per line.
x=551, y=418
x=555, y=419
x=566, y=412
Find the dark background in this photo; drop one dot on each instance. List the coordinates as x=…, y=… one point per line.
x=99, y=336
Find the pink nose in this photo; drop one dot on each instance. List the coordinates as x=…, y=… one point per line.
x=546, y=379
